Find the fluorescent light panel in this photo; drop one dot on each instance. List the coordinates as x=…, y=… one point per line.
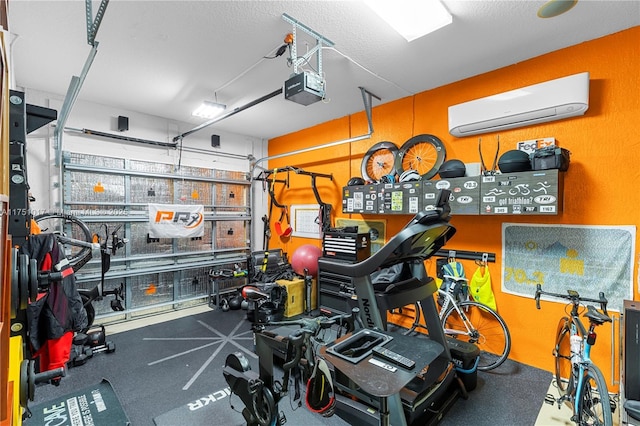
x=209, y=109
x=412, y=18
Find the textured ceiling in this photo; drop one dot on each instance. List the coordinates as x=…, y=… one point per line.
x=164, y=57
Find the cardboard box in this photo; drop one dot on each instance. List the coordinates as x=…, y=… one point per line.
x=296, y=296
x=465, y=194
x=538, y=192
x=360, y=199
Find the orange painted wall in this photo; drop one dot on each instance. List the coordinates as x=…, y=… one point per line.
x=601, y=185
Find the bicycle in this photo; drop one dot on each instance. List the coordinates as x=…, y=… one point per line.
x=260, y=393
x=580, y=382
x=472, y=321
x=80, y=246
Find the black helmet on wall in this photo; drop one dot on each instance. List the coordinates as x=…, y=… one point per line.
x=452, y=169
x=514, y=161
x=354, y=181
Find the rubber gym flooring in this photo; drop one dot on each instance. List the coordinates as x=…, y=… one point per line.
x=170, y=373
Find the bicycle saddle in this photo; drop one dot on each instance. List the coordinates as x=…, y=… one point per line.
x=253, y=293
x=594, y=315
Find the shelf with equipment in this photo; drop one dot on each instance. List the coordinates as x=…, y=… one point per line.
x=537, y=192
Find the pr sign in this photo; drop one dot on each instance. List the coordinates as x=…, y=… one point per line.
x=176, y=221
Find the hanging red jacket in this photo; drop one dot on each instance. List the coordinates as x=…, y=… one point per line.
x=58, y=312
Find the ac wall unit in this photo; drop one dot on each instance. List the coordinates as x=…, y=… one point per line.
x=552, y=100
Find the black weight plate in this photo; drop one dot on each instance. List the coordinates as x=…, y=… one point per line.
x=15, y=287
x=23, y=281
x=24, y=383
x=33, y=280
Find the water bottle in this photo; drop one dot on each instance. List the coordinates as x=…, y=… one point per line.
x=576, y=343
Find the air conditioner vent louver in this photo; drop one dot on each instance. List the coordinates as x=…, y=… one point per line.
x=552, y=100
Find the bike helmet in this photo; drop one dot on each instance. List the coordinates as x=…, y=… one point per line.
x=452, y=169
x=410, y=175
x=320, y=394
x=354, y=181
x=514, y=161
x=388, y=179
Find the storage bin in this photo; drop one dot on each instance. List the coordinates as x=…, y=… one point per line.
x=550, y=157
x=465, y=357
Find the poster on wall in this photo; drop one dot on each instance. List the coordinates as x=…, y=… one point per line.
x=176, y=221
x=305, y=221
x=588, y=259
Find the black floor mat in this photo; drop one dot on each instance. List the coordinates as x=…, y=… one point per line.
x=171, y=374
x=93, y=405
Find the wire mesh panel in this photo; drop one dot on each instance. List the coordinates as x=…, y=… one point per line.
x=231, y=234
x=193, y=192
x=231, y=175
x=150, y=167
x=231, y=197
x=109, y=191
x=93, y=160
x=151, y=289
x=94, y=187
x=192, y=283
x=185, y=245
x=151, y=190
x=141, y=244
x=195, y=171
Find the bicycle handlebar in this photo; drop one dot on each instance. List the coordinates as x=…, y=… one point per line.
x=572, y=296
x=296, y=339
x=314, y=325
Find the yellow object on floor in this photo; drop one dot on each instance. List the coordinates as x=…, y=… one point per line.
x=296, y=296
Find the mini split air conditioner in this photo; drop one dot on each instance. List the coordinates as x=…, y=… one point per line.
x=552, y=100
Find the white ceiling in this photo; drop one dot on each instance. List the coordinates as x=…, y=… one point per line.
x=164, y=57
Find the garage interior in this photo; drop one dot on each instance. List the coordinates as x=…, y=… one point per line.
x=211, y=244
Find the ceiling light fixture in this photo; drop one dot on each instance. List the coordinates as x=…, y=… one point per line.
x=209, y=109
x=412, y=18
x=554, y=8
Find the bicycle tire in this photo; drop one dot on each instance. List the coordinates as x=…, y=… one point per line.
x=562, y=353
x=69, y=226
x=490, y=332
x=424, y=153
x=417, y=307
x=594, y=406
x=379, y=161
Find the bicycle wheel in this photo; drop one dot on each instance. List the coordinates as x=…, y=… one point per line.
x=424, y=153
x=379, y=161
x=417, y=306
x=488, y=331
x=562, y=353
x=71, y=232
x=594, y=407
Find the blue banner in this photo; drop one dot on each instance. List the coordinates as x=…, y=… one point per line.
x=588, y=259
